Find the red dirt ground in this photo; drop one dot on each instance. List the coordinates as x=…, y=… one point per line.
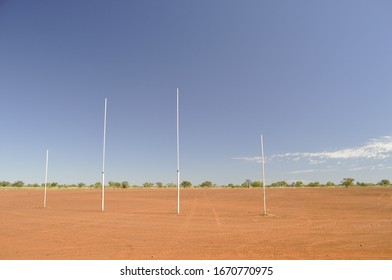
x=304, y=223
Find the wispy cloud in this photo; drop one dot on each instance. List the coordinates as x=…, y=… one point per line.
x=258, y=159
x=302, y=171
x=364, y=161
x=371, y=167
x=376, y=149
x=313, y=161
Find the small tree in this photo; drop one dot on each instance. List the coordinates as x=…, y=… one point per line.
x=159, y=184
x=299, y=184
x=280, y=184
x=186, y=184
x=330, y=184
x=348, y=182
x=5, y=184
x=206, y=184
x=18, y=184
x=384, y=182
x=314, y=184
x=257, y=184
x=124, y=184
x=148, y=185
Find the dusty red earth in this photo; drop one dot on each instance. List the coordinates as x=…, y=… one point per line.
x=303, y=223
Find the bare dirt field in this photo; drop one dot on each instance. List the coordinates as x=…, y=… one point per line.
x=304, y=223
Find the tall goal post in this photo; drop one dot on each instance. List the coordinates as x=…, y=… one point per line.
x=103, y=157
x=263, y=174
x=46, y=176
x=178, y=153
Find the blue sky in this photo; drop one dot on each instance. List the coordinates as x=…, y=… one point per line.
x=313, y=76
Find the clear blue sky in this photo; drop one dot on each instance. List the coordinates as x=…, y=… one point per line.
x=313, y=76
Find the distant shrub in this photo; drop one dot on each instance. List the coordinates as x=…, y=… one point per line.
x=280, y=184
x=18, y=184
x=348, y=182
x=186, y=184
x=257, y=184
x=384, y=182
x=206, y=184
x=298, y=184
x=5, y=184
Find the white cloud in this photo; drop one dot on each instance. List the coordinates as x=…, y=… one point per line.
x=375, y=149
x=360, y=168
x=313, y=161
x=370, y=160
x=371, y=167
x=258, y=159
x=302, y=171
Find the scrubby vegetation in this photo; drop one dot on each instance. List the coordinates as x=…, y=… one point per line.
x=346, y=182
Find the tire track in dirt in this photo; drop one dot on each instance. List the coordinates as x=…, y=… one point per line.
x=200, y=206
x=211, y=206
x=383, y=196
x=184, y=226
